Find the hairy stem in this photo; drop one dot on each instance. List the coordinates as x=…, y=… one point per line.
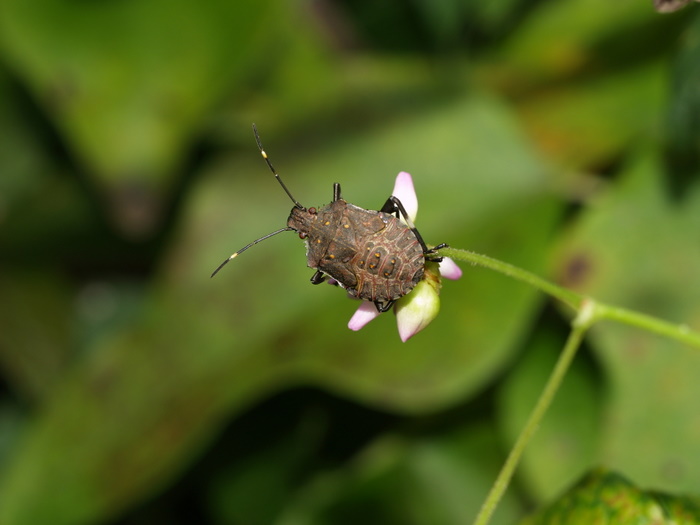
x=568, y=297
x=680, y=332
x=580, y=324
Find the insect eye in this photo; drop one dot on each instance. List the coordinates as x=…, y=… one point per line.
x=303, y=235
x=312, y=211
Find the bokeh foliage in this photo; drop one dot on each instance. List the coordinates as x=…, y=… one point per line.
x=559, y=136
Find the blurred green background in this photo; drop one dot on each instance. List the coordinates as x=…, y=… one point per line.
x=561, y=136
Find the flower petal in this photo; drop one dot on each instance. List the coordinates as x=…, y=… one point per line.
x=449, y=269
x=363, y=315
x=416, y=310
x=406, y=193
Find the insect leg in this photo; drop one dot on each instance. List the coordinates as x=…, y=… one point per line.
x=318, y=277
x=394, y=205
x=336, y=192
x=383, y=307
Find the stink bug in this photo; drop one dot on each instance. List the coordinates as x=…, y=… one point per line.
x=372, y=254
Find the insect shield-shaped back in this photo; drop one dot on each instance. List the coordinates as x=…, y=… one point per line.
x=372, y=254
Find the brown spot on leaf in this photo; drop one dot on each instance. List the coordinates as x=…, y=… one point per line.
x=576, y=270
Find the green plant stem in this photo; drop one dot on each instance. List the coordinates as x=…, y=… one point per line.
x=680, y=332
x=579, y=327
x=568, y=297
x=588, y=312
x=574, y=300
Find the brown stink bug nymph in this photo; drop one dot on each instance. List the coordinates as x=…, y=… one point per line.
x=372, y=254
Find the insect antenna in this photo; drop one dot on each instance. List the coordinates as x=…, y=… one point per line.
x=256, y=241
x=272, y=169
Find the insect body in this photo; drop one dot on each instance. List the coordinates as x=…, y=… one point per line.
x=372, y=254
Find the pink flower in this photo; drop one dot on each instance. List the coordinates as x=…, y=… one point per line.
x=668, y=6
x=417, y=309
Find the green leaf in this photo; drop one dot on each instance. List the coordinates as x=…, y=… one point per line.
x=635, y=248
x=271, y=473
x=128, y=84
x=684, y=107
x=432, y=480
x=606, y=497
x=35, y=331
x=566, y=442
x=204, y=349
x=560, y=39
x=586, y=124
